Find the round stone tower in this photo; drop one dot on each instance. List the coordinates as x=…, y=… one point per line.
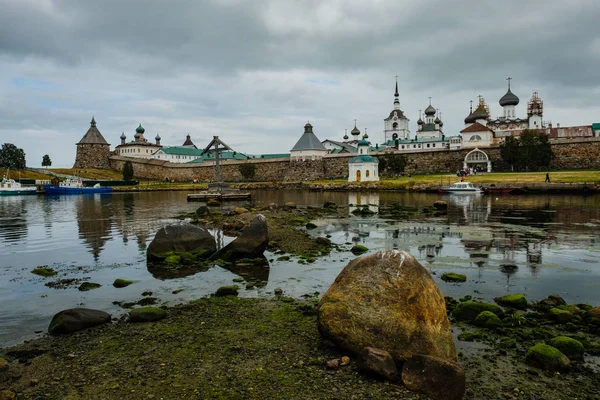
x=92, y=150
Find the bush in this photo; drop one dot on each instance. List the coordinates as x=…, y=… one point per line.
x=127, y=171
x=247, y=170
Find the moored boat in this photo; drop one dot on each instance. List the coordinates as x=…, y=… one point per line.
x=75, y=186
x=10, y=187
x=462, y=188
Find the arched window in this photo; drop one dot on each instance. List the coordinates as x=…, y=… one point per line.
x=367, y=174
x=475, y=138
x=395, y=125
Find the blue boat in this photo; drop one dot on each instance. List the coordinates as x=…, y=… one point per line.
x=75, y=186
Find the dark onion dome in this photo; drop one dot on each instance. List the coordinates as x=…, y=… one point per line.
x=308, y=127
x=437, y=121
x=420, y=122
x=346, y=137
x=355, y=131
x=123, y=136
x=140, y=129
x=136, y=136
x=479, y=113
x=441, y=124
x=365, y=136
x=509, y=99
x=363, y=142
x=157, y=137
x=469, y=119
x=430, y=110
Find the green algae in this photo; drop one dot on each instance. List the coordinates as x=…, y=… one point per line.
x=121, y=283
x=570, y=347
x=488, y=319
x=227, y=291
x=358, y=249
x=469, y=310
x=86, y=286
x=453, y=277
x=517, y=301
x=44, y=271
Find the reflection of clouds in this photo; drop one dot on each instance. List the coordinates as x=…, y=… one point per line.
x=13, y=221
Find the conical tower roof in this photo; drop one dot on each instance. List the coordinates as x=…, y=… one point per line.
x=308, y=140
x=93, y=135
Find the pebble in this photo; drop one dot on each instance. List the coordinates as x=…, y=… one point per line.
x=333, y=364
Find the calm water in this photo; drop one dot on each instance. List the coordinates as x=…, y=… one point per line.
x=533, y=244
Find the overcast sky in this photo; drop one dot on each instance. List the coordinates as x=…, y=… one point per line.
x=254, y=71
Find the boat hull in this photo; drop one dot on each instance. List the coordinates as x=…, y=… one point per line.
x=53, y=189
x=18, y=192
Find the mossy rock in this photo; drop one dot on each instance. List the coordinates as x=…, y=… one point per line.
x=146, y=314
x=488, y=319
x=469, y=310
x=471, y=336
x=547, y=357
x=310, y=225
x=507, y=343
x=363, y=211
x=321, y=241
x=227, y=291
x=44, y=271
x=283, y=258
x=173, y=259
x=450, y=303
x=298, y=221
x=517, y=301
x=121, y=283
x=561, y=316
x=359, y=249
x=85, y=286
x=569, y=347
x=453, y=277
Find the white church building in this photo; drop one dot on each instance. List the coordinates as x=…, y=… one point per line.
x=363, y=167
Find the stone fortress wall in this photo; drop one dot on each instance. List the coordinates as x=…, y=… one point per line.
x=575, y=153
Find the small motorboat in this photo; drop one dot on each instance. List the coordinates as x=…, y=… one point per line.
x=75, y=186
x=462, y=188
x=10, y=187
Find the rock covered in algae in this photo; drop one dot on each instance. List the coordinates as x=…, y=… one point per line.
x=387, y=300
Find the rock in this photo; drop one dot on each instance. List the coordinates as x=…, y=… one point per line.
x=278, y=292
x=227, y=291
x=202, y=211
x=121, y=283
x=44, y=271
x=345, y=360
x=387, y=300
x=213, y=203
x=3, y=365
x=329, y=204
x=467, y=311
x=440, y=205
x=437, y=378
x=551, y=301
x=569, y=347
x=240, y=210
x=310, y=225
x=378, y=362
x=358, y=249
x=76, y=319
x=146, y=314
x=453, y=277
x=251, y=243
x=561, y=316
x=180, y=238
x=7, y=395
x=333, y=364
x=593, y=313
x=547, y=357
x=85, y=286
x=517, y=301
x=290, y=205
x=321, y=241
x=233, y=225
x=272, y=206
x=488, y=319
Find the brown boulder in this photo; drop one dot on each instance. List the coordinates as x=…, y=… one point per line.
x=76, y=319
x=378, y=362
x=437, y=378
x=251, y=243
x=387, y=300
x=180, y=238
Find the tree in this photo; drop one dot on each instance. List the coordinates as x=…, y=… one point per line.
x=247, y=170
x=12, y=157
x=46, y=161
x=127, y=171
x=391, y=164
x=509, y=151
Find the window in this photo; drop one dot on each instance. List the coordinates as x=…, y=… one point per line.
x=395, y=125
x=433, y=145
x=427, y=145
x=367, y=174
x=361, y=151
x=475, y=138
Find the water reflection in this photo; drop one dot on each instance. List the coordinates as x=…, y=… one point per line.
x=94, y=221
x=13, y=218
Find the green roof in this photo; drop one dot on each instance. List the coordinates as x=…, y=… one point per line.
x=282, y=155
x=363, y=159
x=596, y=126
x=182, y=151
x=226, y=155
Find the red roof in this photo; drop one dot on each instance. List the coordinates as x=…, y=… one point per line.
x=476, y=127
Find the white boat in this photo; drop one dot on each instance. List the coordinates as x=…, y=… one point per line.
x=10, y=187
x=461, y=187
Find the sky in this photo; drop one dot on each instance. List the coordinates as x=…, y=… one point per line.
x=253, y=72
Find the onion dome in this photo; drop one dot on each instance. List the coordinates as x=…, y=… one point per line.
x=363, y=142
x=479, y=113
x=346, y=137
x=365, y=136
x=509, y=99
x=308, y=127
x=136, y=136
x=441, y=124
x=430, y=110
x=420, y=121
x=157, y=137
x=437, y=121
x=355, y=131
x=140, y=129
x=123, y=137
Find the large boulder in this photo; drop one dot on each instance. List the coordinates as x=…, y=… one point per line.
x=548, y=358
x=180, y=238
x=251, y=243
x=387, y=300
x=76, y=319
x=437, y=378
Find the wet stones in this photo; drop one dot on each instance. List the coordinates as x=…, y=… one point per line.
x=388, y=301
x=516, y=301
x=377, y=362
x=548, y=358
x=227, y=291
x=86, y=286
x=469, y=310
x=488, y=319
x=251, y=243
x=76, y=319
x=570, y=347
x=437, y=378
x=146, y=314
x=180, y=238
x=454, y=277
x=121, y=283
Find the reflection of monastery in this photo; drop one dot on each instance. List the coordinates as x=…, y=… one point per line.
x=480, y=132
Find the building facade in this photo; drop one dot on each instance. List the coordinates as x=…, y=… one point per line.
x=92, y=150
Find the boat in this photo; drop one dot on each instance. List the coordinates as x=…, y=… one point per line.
x=75, y=186
x=10, y=187
x=462, y=188
x=216, y=195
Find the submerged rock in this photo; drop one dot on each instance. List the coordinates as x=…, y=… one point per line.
x=121, y=283
x=251, y=243
x=467, y=311
x=378, y=362
x=387, y=300
x=180, y=238
x=86, y=286
x=517, y=301
x=76, y=319
x=453, y=277
x=547, y=357
x=437, y=378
